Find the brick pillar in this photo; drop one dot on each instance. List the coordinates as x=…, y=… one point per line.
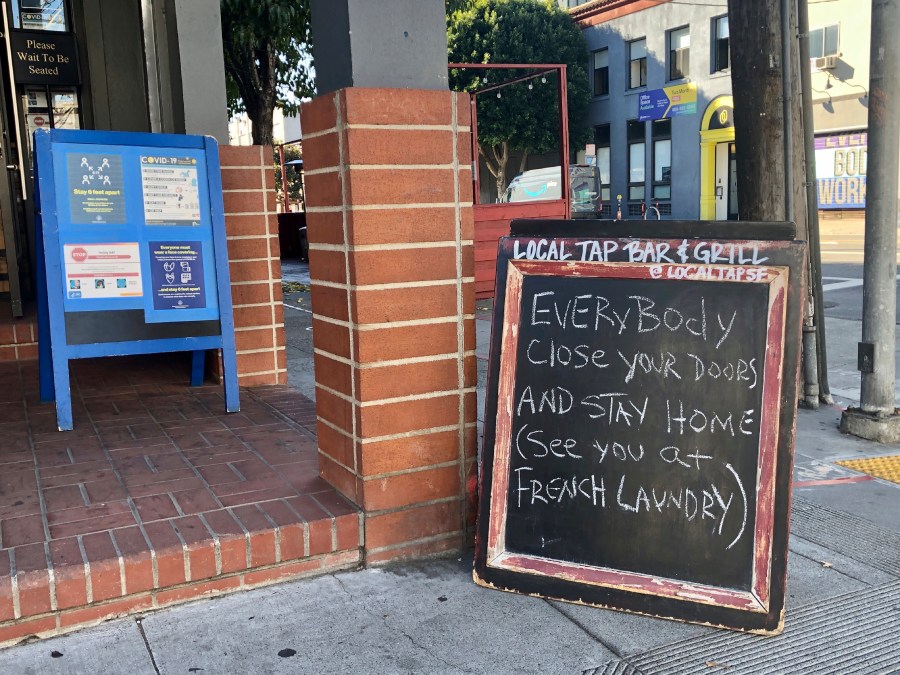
x=251, y=226
x=388, y=188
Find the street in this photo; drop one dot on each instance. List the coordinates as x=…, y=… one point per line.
x=842, y=268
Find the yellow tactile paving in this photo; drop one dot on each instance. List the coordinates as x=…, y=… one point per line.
x=880, y=467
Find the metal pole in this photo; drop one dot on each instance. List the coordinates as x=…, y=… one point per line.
x=786, y=95
x=564, y=138
x=812, y=204
x=880, y=261
x=284, y=185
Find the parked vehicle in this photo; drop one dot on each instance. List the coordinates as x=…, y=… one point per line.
x=545, y=184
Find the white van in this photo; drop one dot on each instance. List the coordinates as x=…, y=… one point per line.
x=544, y=184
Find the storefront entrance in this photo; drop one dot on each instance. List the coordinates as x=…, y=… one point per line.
x=726, y=182
x=718, y=174
x=39, y=88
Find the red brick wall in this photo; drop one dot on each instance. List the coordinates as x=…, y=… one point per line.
x=248, y=187
x=389, y=212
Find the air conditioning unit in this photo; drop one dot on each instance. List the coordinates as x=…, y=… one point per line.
x=824, y=62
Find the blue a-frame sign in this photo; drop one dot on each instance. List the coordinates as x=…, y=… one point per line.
x=132, y=255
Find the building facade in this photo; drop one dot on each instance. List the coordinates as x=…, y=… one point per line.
x=661, y=108
x=124, y=65
x=839, y=60
x=685, y=164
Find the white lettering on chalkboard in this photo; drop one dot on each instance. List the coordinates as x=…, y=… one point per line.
x=709, y=253
x=591, y=312
x=649, y=396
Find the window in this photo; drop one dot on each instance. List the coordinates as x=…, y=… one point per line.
x=40, y=15
x=720, y=56
x=661, y=132
x=636, y=159
x=601, y=141
x=679, y=53
x=823, y=41
x=601, y=72
x=637, y=63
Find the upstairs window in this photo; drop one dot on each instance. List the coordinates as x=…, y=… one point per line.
x=679, y=53
x=823, y=41
x=720, y=56
x=601, y=72
x=637, y=63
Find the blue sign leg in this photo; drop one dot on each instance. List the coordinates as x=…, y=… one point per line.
x=63, y=394
x=229, y=372
x=198, y=366
x=45, y=354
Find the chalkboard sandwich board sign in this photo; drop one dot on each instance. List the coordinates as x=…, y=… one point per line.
x=640, y=418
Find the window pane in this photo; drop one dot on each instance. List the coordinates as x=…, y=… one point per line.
x=603, y=165
x=638, y=49
x=40, y=15
x=636, y=192
x=722, y=54
x=635, y=131
x=601, y=82
x=816, y=39
x=601, y=59
x=65, y=109
x=638, y=77
x=601, y=135
x=662, y=161
x=722, y=27
x=831, y=40
x=662, y=191
x=636, y=163
x=680, y=39
x=661, y=128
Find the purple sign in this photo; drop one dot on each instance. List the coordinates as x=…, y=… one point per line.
x=176, y=274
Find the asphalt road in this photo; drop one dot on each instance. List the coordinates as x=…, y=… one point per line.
x=842, y=269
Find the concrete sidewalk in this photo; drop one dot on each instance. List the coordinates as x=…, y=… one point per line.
x=842, y=614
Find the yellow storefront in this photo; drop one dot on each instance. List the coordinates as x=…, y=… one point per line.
x=718, y=175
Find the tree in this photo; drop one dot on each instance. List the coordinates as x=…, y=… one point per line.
x=525, y=118
x=267, y=59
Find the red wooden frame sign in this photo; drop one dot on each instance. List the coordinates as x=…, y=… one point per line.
x=776, y=278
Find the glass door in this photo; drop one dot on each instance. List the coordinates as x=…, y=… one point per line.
x=40, y=90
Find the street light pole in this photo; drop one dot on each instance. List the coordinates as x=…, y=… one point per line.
x=878, y=418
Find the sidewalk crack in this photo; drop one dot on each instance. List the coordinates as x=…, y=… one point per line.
x=396, y=629
x=140, y=626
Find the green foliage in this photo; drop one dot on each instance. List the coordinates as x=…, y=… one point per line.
x=268, y=60
x=520, y=31
x=456, y=5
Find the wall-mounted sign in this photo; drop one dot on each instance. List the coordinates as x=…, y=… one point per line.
x=44, y=58
x=657, y=104
x=841, y=163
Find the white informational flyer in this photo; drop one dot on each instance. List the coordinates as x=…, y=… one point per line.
x=103, y=270
x=171, y=192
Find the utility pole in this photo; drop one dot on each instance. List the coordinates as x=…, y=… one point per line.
x=877, y=418
x=812, y=210
x=769, y=131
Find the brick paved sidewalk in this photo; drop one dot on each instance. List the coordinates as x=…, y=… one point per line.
x=157, y=496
